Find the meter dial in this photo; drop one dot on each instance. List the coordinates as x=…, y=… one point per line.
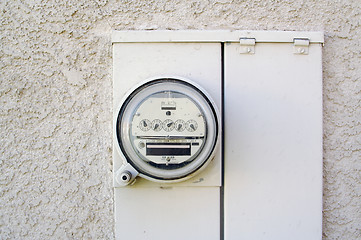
x=145, y=124
x=157, y=125
x=168, y=125
x=180, y=125
x=191, y=125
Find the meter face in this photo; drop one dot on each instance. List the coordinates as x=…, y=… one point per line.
x=167, y=129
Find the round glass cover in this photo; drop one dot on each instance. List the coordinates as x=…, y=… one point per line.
x=167, y=129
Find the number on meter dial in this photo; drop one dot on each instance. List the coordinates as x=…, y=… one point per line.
x=180, y=125
x=157, y=125
x=145, y=125
x=168, y=125
x=191, y=125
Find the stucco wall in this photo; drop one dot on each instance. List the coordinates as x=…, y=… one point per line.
x=56, y=98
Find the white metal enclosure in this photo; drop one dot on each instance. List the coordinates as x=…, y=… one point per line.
x=148, y=210
x=268, y=87
x=273, y=143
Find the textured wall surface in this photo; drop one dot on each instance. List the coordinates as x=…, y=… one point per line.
x=56, y=98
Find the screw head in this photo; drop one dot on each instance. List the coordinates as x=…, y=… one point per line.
x=125, y=177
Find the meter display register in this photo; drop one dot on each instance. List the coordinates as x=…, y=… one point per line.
x=167, y=130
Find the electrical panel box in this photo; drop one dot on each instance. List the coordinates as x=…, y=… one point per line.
x=217, y=134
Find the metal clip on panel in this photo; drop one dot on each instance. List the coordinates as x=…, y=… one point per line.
x=300, y=45
x=247, y=45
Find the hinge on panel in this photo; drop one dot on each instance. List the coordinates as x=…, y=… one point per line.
x=247, y=45
x=300, y=45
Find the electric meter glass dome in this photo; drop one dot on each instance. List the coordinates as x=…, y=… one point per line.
x=167, y=129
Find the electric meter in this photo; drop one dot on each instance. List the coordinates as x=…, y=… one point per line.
x=167, y=130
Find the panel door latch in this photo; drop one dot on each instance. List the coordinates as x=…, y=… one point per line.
x=247, y=45
x=301, y=45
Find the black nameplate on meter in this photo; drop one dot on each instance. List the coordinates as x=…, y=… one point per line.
x=168, y=149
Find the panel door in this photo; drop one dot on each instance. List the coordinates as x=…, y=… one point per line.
x=273, y=143
x=188, y=210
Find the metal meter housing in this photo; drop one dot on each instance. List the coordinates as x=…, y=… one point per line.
x=167, y=129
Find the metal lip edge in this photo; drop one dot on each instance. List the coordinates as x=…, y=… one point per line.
x=212, y=36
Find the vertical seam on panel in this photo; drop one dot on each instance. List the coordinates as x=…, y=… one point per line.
x=222, y=146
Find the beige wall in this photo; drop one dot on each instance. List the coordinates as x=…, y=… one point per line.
x=56, y=98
